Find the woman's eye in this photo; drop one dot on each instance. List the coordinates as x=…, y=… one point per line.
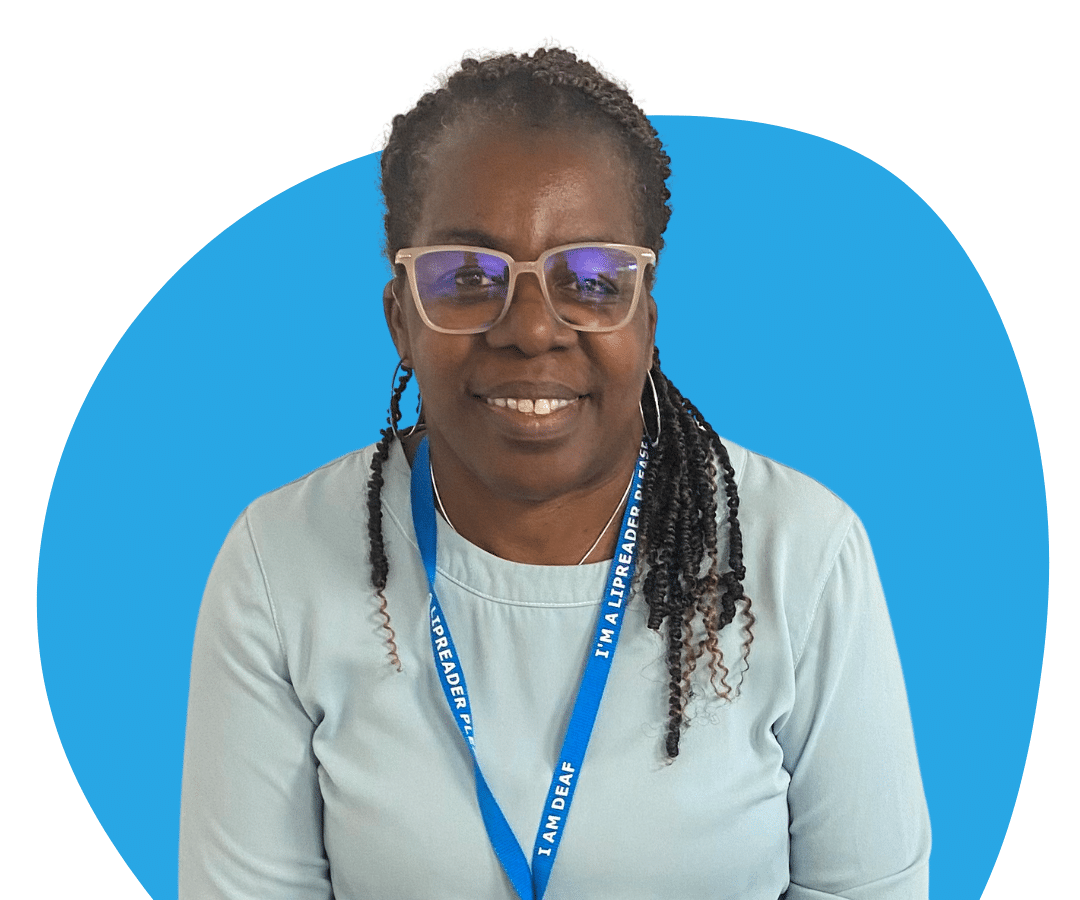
x=467, y=278
x=472, y=278
x=590, y=287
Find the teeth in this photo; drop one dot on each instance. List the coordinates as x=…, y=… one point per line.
x=541, y=407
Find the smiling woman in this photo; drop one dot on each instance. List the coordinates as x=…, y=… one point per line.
x=589, y=536
x=525, y=485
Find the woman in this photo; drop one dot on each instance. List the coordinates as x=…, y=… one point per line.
x=344, y=741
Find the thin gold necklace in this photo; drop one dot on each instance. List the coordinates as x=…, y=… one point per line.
x=595, y=544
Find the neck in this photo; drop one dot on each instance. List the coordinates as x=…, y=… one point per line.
x=538, y=529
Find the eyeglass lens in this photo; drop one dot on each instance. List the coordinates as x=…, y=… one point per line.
x=589, y=287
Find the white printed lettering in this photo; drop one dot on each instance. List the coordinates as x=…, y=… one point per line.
x=606, y=635
x=558, y=802
x=446, y=654
x=612, y=618
x=562, y=790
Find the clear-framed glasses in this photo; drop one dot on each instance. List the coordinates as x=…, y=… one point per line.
x=467, y=290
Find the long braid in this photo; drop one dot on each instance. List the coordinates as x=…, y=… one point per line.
x=380, y=566
x=684, y=590
x=678, y=537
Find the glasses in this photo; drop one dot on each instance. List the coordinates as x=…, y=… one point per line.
x=467, y=290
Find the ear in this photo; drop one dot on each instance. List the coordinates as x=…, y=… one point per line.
x=397, y=323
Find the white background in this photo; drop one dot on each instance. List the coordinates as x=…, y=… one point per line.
x=133, y=133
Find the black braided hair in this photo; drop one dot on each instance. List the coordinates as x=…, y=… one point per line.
x=551, y=88
x=679, y=534
x=683, y=588
x=380, y=566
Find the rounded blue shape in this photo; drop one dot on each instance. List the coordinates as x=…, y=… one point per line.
x=810, y=303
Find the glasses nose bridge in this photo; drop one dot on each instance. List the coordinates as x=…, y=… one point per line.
x=535, y=268
x=534, y=314
x=528, y=268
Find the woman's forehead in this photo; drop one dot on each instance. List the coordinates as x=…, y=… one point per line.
x=523, y=185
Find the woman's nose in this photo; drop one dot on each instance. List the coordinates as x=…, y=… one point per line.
x=529, y=323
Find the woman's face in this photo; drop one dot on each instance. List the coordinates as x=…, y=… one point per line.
x=524, y=191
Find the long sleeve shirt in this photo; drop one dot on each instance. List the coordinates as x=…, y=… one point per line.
x=314, y=769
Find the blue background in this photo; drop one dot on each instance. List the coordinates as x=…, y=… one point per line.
x=811, y=304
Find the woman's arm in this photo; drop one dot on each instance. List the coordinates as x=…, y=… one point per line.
x=859, y=825
x=251, y=813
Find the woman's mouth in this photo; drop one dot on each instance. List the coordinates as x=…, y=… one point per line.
x=541, y=406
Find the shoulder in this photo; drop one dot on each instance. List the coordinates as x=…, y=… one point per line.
x=304, y=549
x=781, y=503
x=796, y=535
x=317, y=525
x=331, y=486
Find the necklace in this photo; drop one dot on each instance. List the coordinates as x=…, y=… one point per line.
x=595, y=544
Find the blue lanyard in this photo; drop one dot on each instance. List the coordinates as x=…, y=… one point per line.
x=531, y=885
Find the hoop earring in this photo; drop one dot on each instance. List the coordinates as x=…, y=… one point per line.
x=419, y=415
x=656, y=405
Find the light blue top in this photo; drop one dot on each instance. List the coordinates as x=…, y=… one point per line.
x=314, y=769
